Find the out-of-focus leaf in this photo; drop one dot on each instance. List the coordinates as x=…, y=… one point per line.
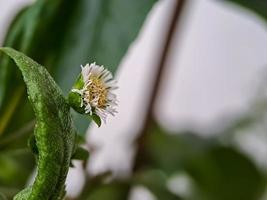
x=2, y=196
x=31, y=33
x=80, y=154
x=96, y=189
x=8, y=191
x=258, y=6
x=15, y=165
x=156, y=182
x=170, y=152
x=62, y=35
x=100, y=31
x=111, y=191
x=219, y=172
x=223, y=173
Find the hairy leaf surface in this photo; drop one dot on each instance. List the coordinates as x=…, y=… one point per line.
x=54, y=133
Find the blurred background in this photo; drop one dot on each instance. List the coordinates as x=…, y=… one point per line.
x=207, y=136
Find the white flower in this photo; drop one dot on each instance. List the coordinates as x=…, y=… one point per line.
x=97, y=93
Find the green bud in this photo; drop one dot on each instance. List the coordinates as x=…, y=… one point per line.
x=74, y=98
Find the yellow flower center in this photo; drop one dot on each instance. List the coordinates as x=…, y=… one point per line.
x=97, y=90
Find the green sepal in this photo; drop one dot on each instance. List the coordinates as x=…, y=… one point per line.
x=96, y=119
x=74, y=99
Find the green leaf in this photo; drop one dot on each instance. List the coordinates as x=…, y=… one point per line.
x=224, y=173
x=156, y=182
x=80, y=154
x=96, y=119
x=8, y=192
x=219, y=172
x=54, y=134
x=15, y=165
x=111, y=191
x=2, y=196
x=62, y=35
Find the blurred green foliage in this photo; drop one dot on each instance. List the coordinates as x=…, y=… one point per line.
x=156, y=182
x=62, y=35
x=112, y=191
x=218, y=171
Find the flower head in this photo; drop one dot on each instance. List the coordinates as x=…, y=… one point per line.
x=96, y=91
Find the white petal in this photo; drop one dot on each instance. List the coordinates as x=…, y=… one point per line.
x=101, y=114
x=96, y=71
x=110, y=84
x=88, y=109
x=94, y=102
x=112, y=103
x=77, y=91
x=111, y=111
x=86, y=72
x=111, y=96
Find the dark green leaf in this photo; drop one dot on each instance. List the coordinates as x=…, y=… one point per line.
x=9, y=192
x=111, y=191
x=54, y=134
x=219, y=172
x=80, y=154
x=15, y=167
x=96, y=119
x=156, y=182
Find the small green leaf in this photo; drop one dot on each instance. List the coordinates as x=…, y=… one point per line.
x=80, y=154
x=74, y=100
x=96, y=119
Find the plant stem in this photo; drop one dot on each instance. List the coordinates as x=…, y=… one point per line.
x=160, y=69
